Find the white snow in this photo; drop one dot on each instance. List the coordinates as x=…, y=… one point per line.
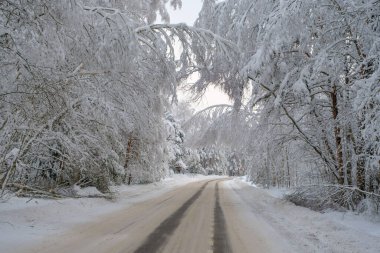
x=313, y=231
x=24, y=221
x=87, y=191
x=11, y=156
x=276, y=192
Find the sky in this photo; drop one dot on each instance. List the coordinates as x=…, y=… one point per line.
x=188, y=14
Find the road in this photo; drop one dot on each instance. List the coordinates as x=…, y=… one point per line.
x=199, y=217
x=214, y=215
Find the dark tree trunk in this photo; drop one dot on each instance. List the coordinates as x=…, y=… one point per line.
x=337, y=135
x=128, y=157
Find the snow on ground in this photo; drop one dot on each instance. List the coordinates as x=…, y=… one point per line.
x=277, y=192
x=312, y=231
x=24, y=220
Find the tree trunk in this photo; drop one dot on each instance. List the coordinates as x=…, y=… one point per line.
x=337, y=135
x=287, y=167
x=128, y=157
x=360, y=174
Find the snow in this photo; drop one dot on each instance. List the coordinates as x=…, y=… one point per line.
x=359, y=223
x=87, y=191
x=330, y=231
x=24, y=221
x=11, y=156
x=276, y=192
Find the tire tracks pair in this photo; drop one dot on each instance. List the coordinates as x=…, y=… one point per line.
x=160, y=236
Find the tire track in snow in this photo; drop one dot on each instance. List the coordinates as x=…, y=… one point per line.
x=159, y=237
x=220, y=239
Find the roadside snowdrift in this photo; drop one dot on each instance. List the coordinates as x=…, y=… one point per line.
x=330, y=231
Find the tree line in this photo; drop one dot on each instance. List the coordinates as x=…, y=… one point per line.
x=85, y=85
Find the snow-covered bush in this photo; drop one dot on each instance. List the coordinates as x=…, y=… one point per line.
x=335, y=197
x=192, y=160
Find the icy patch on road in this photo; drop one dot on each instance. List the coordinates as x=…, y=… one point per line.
x=24, y=221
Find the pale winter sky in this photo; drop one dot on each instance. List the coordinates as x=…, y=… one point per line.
x=188, y=14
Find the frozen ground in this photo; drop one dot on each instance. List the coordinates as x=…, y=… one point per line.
x=315, y=232
x=23, y=220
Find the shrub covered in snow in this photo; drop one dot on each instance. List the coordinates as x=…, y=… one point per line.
x=336, y=197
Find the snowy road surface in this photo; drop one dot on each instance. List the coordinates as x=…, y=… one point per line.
x=213, y=215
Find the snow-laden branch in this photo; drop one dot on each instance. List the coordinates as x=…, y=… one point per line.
x=205, y=35
x=207, y=111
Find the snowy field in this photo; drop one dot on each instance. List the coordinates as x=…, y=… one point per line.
x=24, y=221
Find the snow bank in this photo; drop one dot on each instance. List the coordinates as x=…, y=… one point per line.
x=330, y=231
x=24, y=221
x=276, y=192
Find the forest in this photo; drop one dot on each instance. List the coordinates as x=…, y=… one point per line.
x=89, y=96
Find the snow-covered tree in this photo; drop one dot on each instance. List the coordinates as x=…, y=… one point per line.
x=312, y=70
x=85, y=84
x=82, y=93
x=175, y=139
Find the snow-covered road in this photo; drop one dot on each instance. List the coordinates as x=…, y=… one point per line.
x=207, y=215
